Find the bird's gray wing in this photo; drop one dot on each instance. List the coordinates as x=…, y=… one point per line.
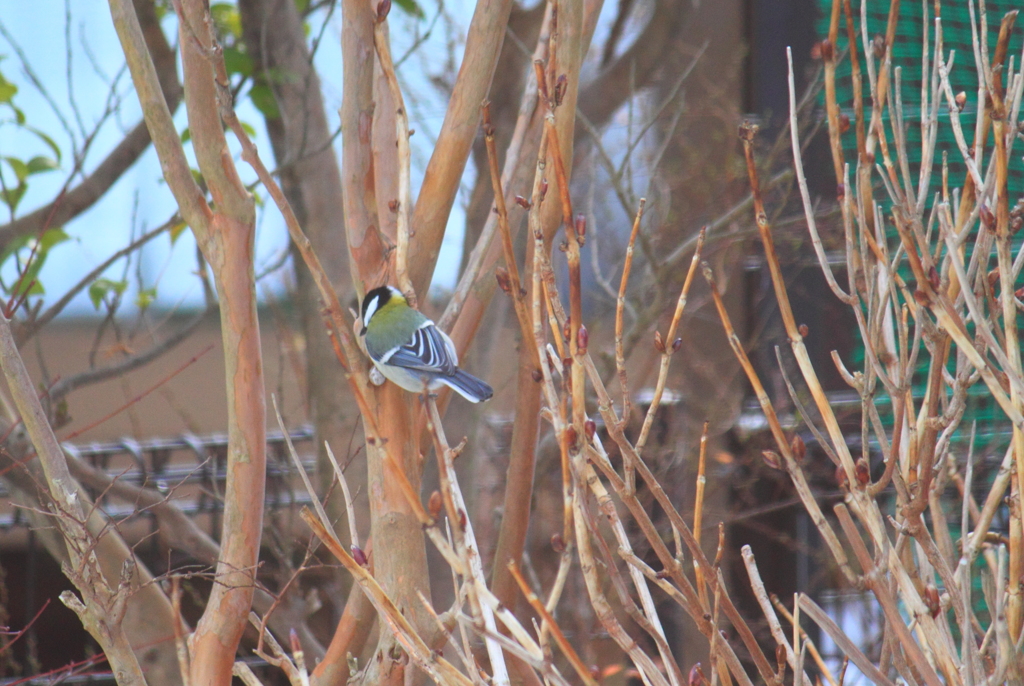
x=427, y=350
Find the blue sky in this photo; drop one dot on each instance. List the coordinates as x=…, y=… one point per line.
x=140, y=200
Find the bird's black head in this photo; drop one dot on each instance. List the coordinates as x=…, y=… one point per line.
x=375, y=300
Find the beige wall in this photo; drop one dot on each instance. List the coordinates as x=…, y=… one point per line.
x=189, y=400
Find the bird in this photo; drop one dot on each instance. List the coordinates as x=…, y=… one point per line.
x=409, y=350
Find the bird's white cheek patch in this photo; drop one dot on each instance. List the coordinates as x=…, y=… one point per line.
x=371, y=307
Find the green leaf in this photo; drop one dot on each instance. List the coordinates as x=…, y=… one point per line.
x=237, y=62
x=14, y=246
x=12, y=196
x=31, y=286
x=301, y=5
x=51, y=238
x=263, y=98
x=20, y=168
x=249, y=129
x=40, y=163
x=102, y=286
x=186, y=135
x=28, y=285
x=227, y=19
x=177, y=230
x=49, y=141
x=411, y=7
x=7, y=89
x=145, y=298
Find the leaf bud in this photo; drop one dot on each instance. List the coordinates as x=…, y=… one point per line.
x=772, y=459
x=503, y=279
x=659, y=344
x=590, y=428
x=561, y=85
x=582, y=339
x=798, y=447
x=863, y=472
x=987, y=218
x=677, y=344
x=841, y=479
x=537, y=375
x=993, y=278
x=844, y=123
x=878, y=46
x=383, y=8
x=780, y=656
x=359, y=556
x=572, y=438
x=696, y=675
x=557, y=543
x=804, y=330
x=523, y=202
x=961, y=100
x=827, y=50
x=434, y=504
x=931, y=599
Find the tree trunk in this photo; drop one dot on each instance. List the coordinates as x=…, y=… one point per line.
x=311, y=181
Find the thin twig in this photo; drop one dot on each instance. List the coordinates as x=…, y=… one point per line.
x=669, y=345
x=387, y=67
x=563, y=643
x=620, y=351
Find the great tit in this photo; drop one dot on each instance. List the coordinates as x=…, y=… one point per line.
x=410, y=351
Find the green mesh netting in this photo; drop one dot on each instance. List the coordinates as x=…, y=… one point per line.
x=993, y=432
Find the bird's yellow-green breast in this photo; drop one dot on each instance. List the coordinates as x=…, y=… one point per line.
x=388, y=320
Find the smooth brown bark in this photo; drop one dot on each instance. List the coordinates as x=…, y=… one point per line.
x=366, y=246
x=226, y=238
x=459, y=130
x=311, y=181
x=369, y=183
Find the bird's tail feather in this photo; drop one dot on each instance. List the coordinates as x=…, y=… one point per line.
x=468, y=386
